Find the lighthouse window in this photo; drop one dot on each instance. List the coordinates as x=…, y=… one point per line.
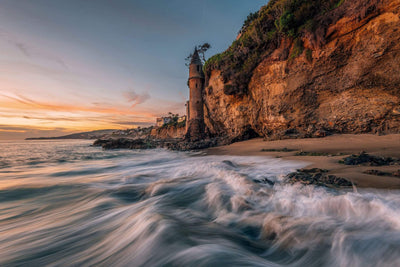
x=198, y=68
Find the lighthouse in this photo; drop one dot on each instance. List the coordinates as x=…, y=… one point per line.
x=195, y=114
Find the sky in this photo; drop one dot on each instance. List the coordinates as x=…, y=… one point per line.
x=81, y=65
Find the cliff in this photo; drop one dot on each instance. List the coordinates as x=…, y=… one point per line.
x=165, y=132
x=168, y=132
x=308, y=69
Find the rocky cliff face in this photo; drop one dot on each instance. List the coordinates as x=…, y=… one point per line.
x=168, y=132
x=344, y=79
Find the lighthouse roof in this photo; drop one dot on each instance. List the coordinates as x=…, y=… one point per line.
x=196, y=58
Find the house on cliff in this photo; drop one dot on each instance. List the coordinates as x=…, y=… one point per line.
x=170, y=120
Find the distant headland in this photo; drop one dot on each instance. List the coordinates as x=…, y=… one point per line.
x=83, y=135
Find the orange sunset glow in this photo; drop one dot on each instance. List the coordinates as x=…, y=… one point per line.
x=23, y=116
x=64, y=68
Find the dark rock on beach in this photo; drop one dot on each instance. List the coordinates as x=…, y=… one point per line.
x=368, y=160
x=125, y=143
x=149, y=143
x=377, y=172
x=316, y=176
x=383, y=173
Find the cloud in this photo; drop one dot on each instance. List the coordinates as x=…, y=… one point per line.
x=13, y=131
x=26, y=103
x=29, y=117
x=135, y=98
x=11, y=128
x=29, y=50
x=47, y=118
x=22, y=128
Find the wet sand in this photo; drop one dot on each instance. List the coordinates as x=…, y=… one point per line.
x=334, y=149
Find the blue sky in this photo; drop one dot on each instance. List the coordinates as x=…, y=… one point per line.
x=91, y=64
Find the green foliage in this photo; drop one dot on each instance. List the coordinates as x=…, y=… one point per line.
x=261, y=34
x=174, y=121
x=251, y=62
x=250, y=18
x=308, y=26
x=338, y=4
x=181, y=124
x=298, y=15
x=246, y=40
x=286, y=22
x=270, y=35
x=215, y=61
x=297, y=49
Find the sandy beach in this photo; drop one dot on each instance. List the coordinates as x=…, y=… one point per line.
x=326, y=155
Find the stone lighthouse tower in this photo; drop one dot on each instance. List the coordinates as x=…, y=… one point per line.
x=195, y=116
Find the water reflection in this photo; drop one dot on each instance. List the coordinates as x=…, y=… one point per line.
x=66, y=203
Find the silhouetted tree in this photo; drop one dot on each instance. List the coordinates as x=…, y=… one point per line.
x=201, y=49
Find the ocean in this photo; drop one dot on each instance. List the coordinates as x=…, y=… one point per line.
x=65, y=203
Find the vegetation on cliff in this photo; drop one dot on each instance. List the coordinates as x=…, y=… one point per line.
x=308, y=69
x=262, y=33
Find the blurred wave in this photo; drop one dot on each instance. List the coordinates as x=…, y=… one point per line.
x=64, y=203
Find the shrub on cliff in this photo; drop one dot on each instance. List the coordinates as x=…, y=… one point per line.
x=262, y=33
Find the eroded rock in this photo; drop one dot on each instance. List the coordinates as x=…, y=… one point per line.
x=351, y=85
x=383, y=173
x=368, y=160
x=318, y=177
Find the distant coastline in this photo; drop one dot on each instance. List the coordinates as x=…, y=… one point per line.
x=83, y=135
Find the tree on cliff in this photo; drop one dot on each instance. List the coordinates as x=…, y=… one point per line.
x=201, y=49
